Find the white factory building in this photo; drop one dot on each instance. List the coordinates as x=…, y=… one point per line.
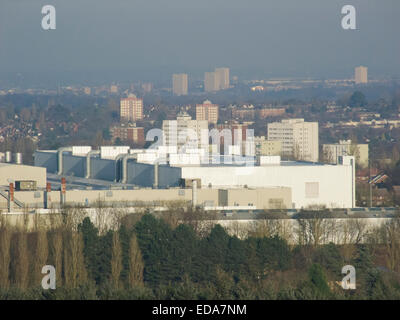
x=312, y=184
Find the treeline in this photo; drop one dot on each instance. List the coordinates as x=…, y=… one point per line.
x=157, y=258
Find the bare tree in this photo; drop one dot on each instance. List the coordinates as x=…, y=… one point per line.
x=21, y=266
x=41, y=255
x=74, y=268
x=56, y=247
x=5, y=257
x=390, y=232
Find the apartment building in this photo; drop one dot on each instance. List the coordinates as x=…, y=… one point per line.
x=207, y=111
x=299, y=138
x=131, y=109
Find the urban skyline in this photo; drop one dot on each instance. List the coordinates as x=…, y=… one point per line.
x=293, y=52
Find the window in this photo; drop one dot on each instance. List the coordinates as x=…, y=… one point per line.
x=275, y=204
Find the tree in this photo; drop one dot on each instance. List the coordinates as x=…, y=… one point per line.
x=21, y=260
x=90, y=240
x=5, y=258
x=357, y=100
x=116, y=261
x=217, y=245
x=329, y=257
x=74, y=266
x=154, y=237
x=136, y=265
x=56, y=254
x=318, y=281
x=236, y=257
x=41, y=255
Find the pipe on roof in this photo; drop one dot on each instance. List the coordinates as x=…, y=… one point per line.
x=88, y=158
x=125, y=166
x=60, y=158
x=117, y=158
x=155, y=185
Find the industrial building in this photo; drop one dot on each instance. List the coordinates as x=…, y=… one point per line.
x=265, y=198
x=103, y=165
x=311, y=184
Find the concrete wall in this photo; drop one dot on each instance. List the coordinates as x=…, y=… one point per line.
x=208, y=197
x=335, y=182
x=274, y=198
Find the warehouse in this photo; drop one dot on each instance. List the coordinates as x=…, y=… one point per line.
x=312, y=184
x=10, y=172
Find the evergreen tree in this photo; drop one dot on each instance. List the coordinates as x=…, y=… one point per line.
x=318, y=281
x=90, y=247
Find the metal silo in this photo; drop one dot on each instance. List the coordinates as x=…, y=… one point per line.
x=8, y=156
x=18, y=158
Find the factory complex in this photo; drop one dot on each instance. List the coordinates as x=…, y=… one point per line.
x=121, y=174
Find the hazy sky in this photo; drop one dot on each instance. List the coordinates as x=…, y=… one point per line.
x=119, y=39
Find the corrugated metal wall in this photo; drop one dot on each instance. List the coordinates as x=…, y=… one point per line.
x=140, y=174
x=47, y=160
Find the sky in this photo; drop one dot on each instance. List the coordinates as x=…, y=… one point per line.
x=119, y=40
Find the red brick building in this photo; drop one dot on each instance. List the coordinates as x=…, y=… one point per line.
x=128, y=134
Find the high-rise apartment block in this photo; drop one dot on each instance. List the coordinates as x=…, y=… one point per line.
x=210, y=82
x=222, y=75
x=131, y=109
x=299, y=139
x=184, y=132
x=180, y=84
x=361, y=75
x=207, y=111
x=217, y=80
